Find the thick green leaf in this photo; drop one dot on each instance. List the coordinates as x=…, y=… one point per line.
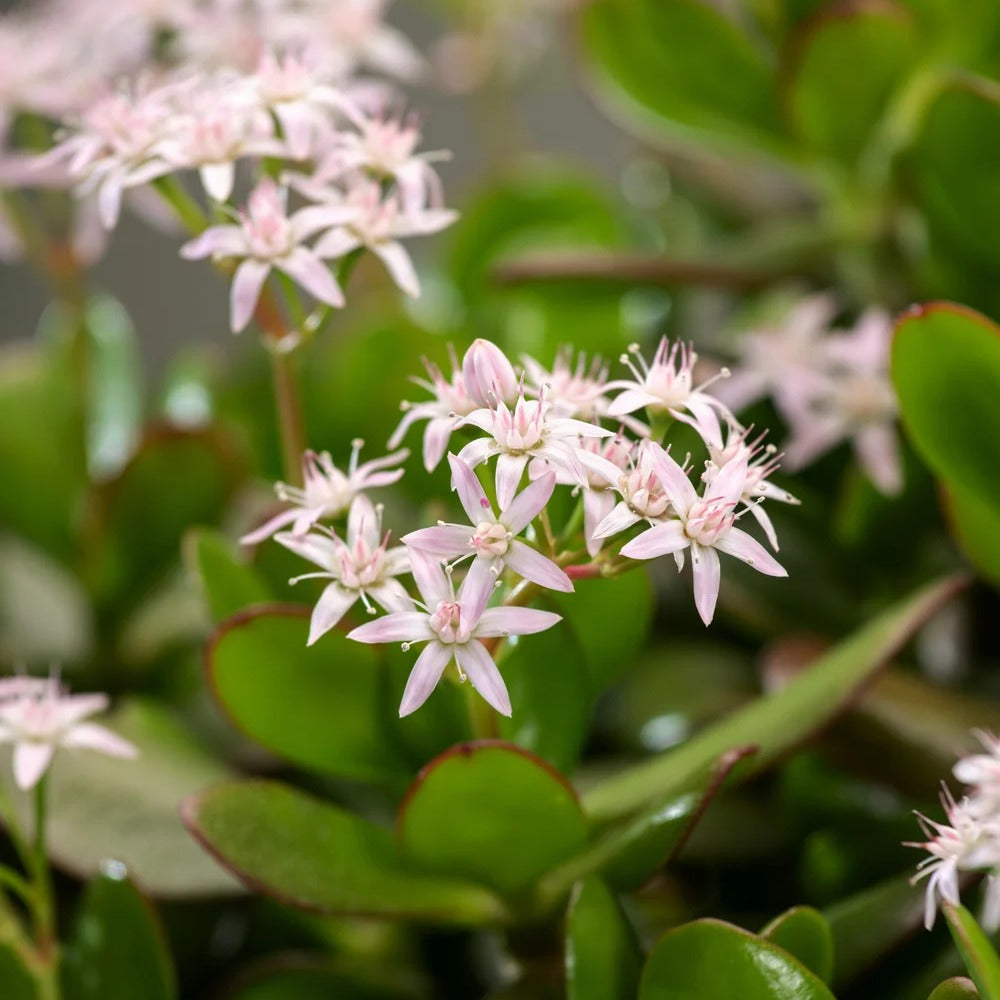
x=102, y=807
x=229, y=584
x=946, y=370
x=774, y=724
x=627, y=600
x=975, y=525
x=300, y=977
x=957, y=988
x=603, y=957
x=469, y=809
x=805, y=934
x=658, y=65
x=951, y=165
x=18, y=983
x=709, y=959
x=548, y=687
x=309, y=854
x=117, y=948
x=834, y=110
x=135, y=522
x=979, y=956
x=869, y=924
x=319, y=706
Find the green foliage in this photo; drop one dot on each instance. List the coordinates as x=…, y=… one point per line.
x=805, y=934
x=979, y=955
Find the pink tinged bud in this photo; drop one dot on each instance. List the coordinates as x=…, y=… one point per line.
x=489, y=375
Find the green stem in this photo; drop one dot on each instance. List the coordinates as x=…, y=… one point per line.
x=45, y=930
x=288, y=405
x=187, y=210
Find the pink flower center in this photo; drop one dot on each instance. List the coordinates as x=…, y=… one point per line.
x=709, y=520
x=491, y=539
x=519, y=432
x=445, y=621
x=643, y=492
x=266, y=227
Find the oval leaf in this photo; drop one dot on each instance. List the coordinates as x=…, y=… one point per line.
x=805, y=934
x=469, y=811
x=956, y=988
x=603, y=958
x=946, y=370
x=229, y=585
x=709, y=959
x=116, y=948
x=312, y=855
x=318, y=706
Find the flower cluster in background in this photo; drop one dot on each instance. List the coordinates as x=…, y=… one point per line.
x=300, y=156
x=539, y=429
x=969, y=840
x=830, y=385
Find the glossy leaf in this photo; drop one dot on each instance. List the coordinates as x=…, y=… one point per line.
x=657, y=65
x=946, y=371
x=102, y=807
x=229, y=585
x=18, y=982
x=835, y=111
x=977, y=952
x=603, y=957
x=549, y=692
x=117, y=948
x=318, y=706
x=950, y=163
x=957, y=988
x=781, y=721
x=468, y=811
x=805, y=934
x=707, y=959
x=975, y=525
x=299, y=977
x=309, y=854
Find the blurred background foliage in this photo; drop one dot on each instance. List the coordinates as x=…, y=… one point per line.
x=754, y=151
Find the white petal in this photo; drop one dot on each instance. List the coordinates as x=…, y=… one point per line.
x=217, y=179
x=91, y=736
x=330, y=608
x=738, y=543
x=30, y=762
x=399, y=266
x=533, y=566
x=707, y=577
x=424, y=676
x=478, y=665
x=247, y=284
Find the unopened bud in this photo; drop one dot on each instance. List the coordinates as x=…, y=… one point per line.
x=489, y=376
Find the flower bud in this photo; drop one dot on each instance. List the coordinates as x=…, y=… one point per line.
x=489, y=376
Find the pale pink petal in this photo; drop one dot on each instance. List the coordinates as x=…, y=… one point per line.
x=743, y=546
x=446, y=541
x=597, y=504
x=336, y=244
x=497, y=622
x=74, y=707
x=400, y=626
x=479, y=667
x=410, y=417
x=673, y=479
x=730, y=484
x=399, y=266
x=432, y=581
x=657, y=541
x=528, y=504
x=109, y=201
x=533, y=566
x=878, y=454
x=474, y=593
x=247, y=284
x=476, y=452
x=313, y=275
x=621, y=518
x=217, y=179
x=631, y=400
x=510, y=468
x=30, y=762
x=297, y=128
x=330, y=608
x=90, y=736
x=391, y=595
x=318, y=549
x=436, y=436
x=362, y=523
x=216, y=241
x=705, y=570
x=269, y=527
x=309, y=221
x=424, y=676
x=764, y=520
x=470, y=492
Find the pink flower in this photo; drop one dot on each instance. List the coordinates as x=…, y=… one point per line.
x=489, y=375
x=38, y=717
x=631, y=473
x=490, y=539
x=451, y=402
x=355, y=31
x=529, y=430
x=667, y=385
x=452, y=626
x=376, y=221
x=268, y=237
x=850, y=397
x=364, y=567
x=327, y=492
x=965, y=843
x=703, y=524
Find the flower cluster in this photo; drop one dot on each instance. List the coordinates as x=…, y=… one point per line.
x=829, y=385
x=38, y=716
x=277, y=110
x=526, y=433
x=969, y=840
